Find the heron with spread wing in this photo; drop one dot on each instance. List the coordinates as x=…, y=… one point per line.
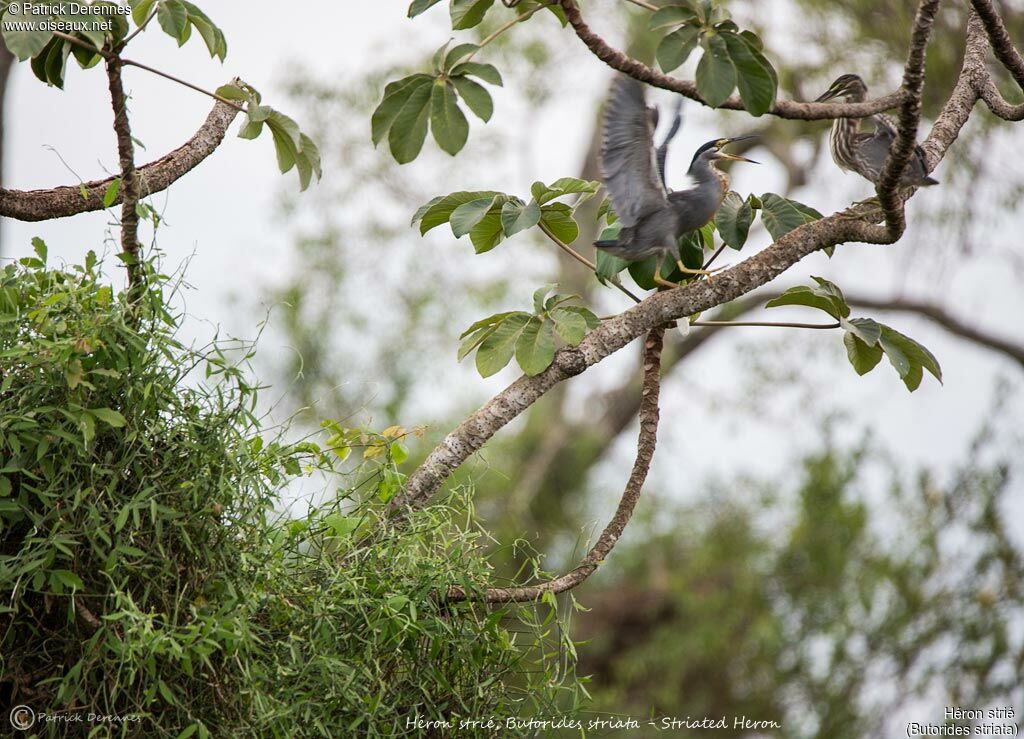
x=653, y=218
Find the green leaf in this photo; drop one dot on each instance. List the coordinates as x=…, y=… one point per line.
x=570, y=325
x=864, y=329
x=609, y=266
x=287, y=139
x=908, y=357
x=39, y=247
x=232, y=92
x=250, y=130
x=733, y=220
x=446, y=120
x=780, y=215
x=409, y=127
x=475, y=96
x=141, y=11
x=516, y=217
x=468, y=13
x=440, y=209
x=68, y=579
x=24, y=44
x=671, y=15
x=756, y=84
x=56, y=63
x=340, y=525
x=676, y=48
x=109, y=416
x=212, y=36
x=812, y=297
x=557, y=217
x=586, y=314
x=496, y=350
x=419, y=6
x=535, y=349
x=538, y=297
x=486, y=72
x=480, y=330
x=173, y=18
x=862, y=356
x=488, y=233
x=111, y=193
x=468, y=215
x=458, y=55
x=564, y=186
x=716, y=77
x=396, y=95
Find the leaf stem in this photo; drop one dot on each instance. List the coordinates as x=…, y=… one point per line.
x=644, y=5
x=582, y=259
x=518, y=19
x=765, y=323
x=138, y=30
x=131, y=63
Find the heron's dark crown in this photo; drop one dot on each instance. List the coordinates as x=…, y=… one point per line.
x=848, y=83
x=716, y=145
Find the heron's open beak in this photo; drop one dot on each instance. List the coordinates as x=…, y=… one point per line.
x=735, y=157
x=734, y=139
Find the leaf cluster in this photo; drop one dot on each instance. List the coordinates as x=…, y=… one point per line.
x=529, y=336
x=732, y=58
x=865, y=339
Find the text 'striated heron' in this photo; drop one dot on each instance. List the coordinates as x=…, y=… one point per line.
x=865, y=153
x=653, y=218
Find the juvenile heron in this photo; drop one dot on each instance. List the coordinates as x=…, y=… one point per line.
x=653, y=218
x=865, y=153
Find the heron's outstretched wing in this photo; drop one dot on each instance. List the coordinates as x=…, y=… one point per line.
x=662, y=150
x=627, y=154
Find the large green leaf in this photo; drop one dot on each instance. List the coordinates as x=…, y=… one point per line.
x=756, y=83
x=497, y=349
x=486, y=72
x=440, y=209
x=558, y=219
x=409, y=128
x=28, y=40
x=516, y=216
x=468, y=13
x=733, y=220
x=676, y=48
x=468, y=215
x=671, y=15
x=418, y=6
x=570, y=325
x=862, y=357
x=865, y=329
x=173, y=18
x=812, y=297
x=780, y=215
x=446, y=120
x=396, y=94
x=488, y=232
x=476, y=97
x=716, y=76
x=535, y=348
x=480, y=330
x=565, y=186
x=908, y=357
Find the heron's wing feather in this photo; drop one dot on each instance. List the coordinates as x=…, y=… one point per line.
x=662, y=150
x=628, y=161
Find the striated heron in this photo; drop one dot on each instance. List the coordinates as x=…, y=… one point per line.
x=653, y=218
x=865, y=153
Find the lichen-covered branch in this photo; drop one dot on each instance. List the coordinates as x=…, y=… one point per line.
x=69, y=200
x=129, y=187
x=789, y=109
x=909, y=116
x=1002, y=46
x=649, y=414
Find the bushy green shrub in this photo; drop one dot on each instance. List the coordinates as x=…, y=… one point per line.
x=145, y=574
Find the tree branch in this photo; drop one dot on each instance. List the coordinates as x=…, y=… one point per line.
x=1002, y=46
x=909, y=116
x=649, y=415
x=613, y=334
x=61, y=202
x=788, y=109
x=129, y=187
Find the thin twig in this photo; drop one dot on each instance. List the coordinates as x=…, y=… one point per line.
x=782, y=324
x=583, y=260
x=502, y=29
x=138, y=30
x=644, y=5
x=648, y=438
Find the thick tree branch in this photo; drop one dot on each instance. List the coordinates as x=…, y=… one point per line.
x=617, y=332
x=1000, y=39
x=649, y=414
x=129, y=187
x=60, y=202
x=788, y=109
x=906, y=131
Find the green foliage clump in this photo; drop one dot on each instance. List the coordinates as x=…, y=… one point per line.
x=146, y=576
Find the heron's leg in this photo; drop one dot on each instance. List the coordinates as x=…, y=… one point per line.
x=687, y=271
x=658, y=279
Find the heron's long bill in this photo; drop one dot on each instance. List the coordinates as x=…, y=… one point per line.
x=828, y=95
x=736, y=157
